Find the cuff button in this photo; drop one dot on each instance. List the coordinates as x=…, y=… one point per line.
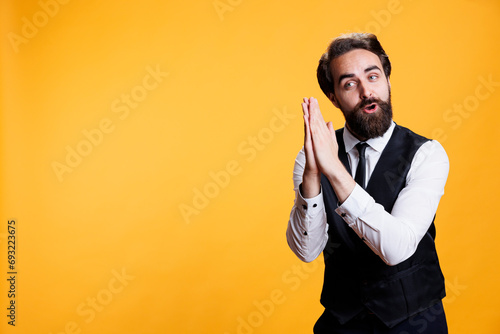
x=343, y=214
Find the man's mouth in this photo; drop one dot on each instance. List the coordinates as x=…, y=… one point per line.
x=371, y=108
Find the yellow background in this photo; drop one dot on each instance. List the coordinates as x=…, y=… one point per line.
x=224, y=266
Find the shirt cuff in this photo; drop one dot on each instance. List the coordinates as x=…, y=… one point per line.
x=310, y=206
x=355, y=205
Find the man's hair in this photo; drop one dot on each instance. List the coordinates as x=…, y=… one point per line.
x=342, y=45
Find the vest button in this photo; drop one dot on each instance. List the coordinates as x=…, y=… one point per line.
x=343, y=214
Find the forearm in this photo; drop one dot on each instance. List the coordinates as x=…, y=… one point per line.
x=341, y=181
x=392, y=238
x=395, y=235
x=311, y=184
x=307, y=228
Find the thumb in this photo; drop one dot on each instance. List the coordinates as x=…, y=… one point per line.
x=330, y=127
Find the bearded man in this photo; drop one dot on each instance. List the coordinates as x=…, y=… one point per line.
x=366, y=196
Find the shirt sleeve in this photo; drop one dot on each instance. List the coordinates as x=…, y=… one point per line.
x=395, y=236
x=307, y=229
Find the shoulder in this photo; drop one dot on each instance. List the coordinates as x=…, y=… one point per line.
x=405, y=132
x=431, y=146
x=432, y=149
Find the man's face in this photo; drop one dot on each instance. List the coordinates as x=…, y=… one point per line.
x=362, y=92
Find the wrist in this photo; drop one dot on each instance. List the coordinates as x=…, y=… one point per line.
x=311, y=185
x=341, y=181
x=335, y=171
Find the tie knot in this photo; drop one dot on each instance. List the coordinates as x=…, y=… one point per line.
x=361, y=146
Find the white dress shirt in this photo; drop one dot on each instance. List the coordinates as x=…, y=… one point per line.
x=395, y=235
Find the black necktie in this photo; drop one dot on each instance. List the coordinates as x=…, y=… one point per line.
x=361, y=170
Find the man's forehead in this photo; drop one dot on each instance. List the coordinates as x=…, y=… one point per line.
x=354, y=62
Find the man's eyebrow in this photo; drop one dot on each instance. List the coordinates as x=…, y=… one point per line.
x=350, y=75
x=343, y=76
x=372, y=68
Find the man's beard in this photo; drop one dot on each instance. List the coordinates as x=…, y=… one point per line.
x=366, y=126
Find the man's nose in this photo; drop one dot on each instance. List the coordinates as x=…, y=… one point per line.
x=365, y=91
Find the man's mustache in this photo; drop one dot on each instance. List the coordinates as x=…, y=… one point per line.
x=369, y=101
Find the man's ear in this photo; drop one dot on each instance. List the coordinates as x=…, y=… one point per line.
x=331, y=97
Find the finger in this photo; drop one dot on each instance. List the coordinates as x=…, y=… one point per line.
x=314, y=109
x=317, y=123
x=307, y=137
x=307, y=104
x=307, y=129
x=330, y=127
x=305, y=109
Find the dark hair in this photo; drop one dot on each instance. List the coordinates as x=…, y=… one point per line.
x=342, y=45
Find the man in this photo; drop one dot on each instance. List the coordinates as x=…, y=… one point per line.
x=376, y=230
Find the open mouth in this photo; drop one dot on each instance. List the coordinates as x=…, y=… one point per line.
x=371, y=108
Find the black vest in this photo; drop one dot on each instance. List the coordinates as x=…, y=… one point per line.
x=357, y=279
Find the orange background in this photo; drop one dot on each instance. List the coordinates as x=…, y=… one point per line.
x=186, y=120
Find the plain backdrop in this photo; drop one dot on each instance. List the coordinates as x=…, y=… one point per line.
x=147, y=151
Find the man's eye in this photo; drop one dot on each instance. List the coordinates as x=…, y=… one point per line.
x=349, y=84
x=373, y=77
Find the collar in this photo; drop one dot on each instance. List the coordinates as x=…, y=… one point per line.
x=378, y=143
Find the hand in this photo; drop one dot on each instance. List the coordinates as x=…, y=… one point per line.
x=321, y=150
x=311, y=179
x=322, y=138
x=311, y=167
